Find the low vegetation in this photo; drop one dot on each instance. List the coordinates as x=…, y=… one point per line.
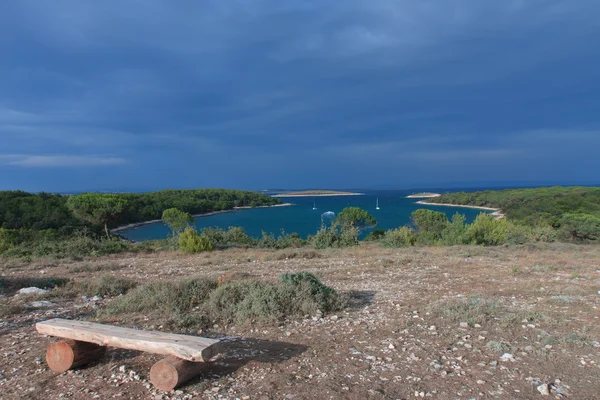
x=44, y=225
x=197, y=302
x=573, y=213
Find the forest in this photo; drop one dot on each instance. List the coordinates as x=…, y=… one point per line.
x=43, y=211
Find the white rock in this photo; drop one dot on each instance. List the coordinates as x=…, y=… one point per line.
x=391, y=346
x=33, y=290
x=506, y=357
x=464, y=325
x=543, y=389
x=40, y=304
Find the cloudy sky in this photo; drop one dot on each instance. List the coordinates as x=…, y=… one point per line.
x=141, y=95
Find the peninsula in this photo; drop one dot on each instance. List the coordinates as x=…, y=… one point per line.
x=423, y=195
x=314, y=193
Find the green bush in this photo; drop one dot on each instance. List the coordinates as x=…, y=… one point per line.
x=325, y=238
x=488, y=231
x=377, y=234
x=580, y=226
x=234, y=235
x=249, y=301
x=178, y=303
x=267, y=241
x=106, y=285
x=430, y=224
x=191, y=242
x=348, y=237
x=291, y=240
x=544, y=234
x=400, y=237
x=335, y=237
x=326, y=297
x=518, y=234
x=456, y=231
x=164, y=297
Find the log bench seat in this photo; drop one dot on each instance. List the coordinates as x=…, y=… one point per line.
x=87, y=341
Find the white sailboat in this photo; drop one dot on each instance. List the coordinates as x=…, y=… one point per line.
x=314, y=205
x=377, y=206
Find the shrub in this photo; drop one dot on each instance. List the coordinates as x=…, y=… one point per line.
x=326, y=297
x=400, y=237
x=375, y=235
x=234, y=235
x=164, y=297
x=325, y=238
x=191, y=242
x=581, y=226
x=433, y=223
x=518, y=234
x=178, y=303
x=285, y=241
x=487, y=231
x=348, y=237
x=544, y=234
x=472, y=311
x=267, y=241
x=105, y=285
x=455, y=232
x=249, y=301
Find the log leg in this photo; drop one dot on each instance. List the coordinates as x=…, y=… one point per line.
x=171, y=372
x=63, y=356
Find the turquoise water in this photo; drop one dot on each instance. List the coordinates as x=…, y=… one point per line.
x=395, y=210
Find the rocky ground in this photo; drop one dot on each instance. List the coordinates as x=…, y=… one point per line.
x=439, y=323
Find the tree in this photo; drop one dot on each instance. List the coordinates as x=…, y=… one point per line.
x=97, y=208
x=432, y=223
x=176, y=220
x=581, y=226
x=355, y=217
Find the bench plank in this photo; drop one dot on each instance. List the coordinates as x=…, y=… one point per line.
x=191, y=348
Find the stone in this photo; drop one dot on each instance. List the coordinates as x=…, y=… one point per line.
x=33, y=290
x=543, y=389
x=506, y=357
x=464, y=325
x=42, y=304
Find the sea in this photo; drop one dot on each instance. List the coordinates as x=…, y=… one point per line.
x=394, y=211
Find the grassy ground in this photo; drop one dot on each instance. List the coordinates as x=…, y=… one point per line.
x=445, y=323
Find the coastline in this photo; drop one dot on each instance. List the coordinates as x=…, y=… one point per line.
x=423, y=195
x=138, y=224
x=318, y=195
x=497, y=213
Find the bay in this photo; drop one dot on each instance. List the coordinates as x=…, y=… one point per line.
x=395, y=210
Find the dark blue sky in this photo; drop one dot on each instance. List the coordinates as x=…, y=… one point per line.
x=272, y=93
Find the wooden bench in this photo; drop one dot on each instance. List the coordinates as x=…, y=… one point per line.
x=87, y=342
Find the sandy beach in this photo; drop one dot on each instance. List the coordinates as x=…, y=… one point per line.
x=423, y=195
x=319, y=195
x=138, y=224
x=497, y=213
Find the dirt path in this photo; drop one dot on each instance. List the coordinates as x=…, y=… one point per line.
x=422, y=323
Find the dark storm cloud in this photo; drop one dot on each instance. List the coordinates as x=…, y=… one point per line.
x=297, y=93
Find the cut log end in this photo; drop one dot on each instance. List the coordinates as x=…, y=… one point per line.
x=63, y=356
x=169, y=373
